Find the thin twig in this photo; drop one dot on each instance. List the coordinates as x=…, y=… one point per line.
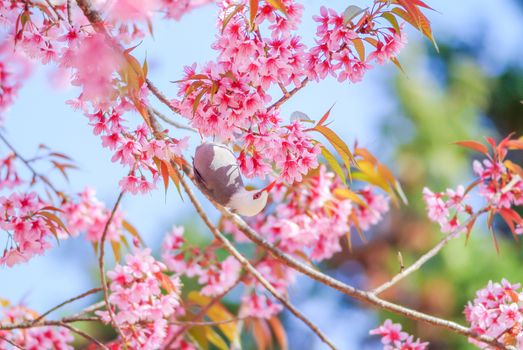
x=58, y=15
x=248, y=266
x=28, y=164
x=288, y=95
x=69, y=13
x=83, y=295
x=101, y=264
x=161, y=96
x=170, y=121
x=85, y=335
x=89, y=309
x=426, y=257
x=31, y=324
x=209, y=323
x=11, y=342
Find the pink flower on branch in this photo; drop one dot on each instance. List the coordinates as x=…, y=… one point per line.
x=393, y=338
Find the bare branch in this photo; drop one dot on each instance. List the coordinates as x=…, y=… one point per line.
x=427, y=256
x=11, y=342
x=83, y=295
x=101, y=264
x=248, y=266
x=170, y=121
x=85, y=335
x=364, y=296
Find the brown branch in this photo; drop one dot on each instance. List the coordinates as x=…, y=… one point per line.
x=170, y=121
x=288, y=95
x=247, y=265
x=31, y=324
x=83, y=295
x=101, y=264
x=11, y=342
x=161, y=97
x=85, y=335
x=363, y=296
x=427, y=256
x=209, y=323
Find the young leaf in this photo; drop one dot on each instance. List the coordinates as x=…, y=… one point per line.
x=474, y=145
x=215, y=339
x=334, y=165
x=253, y=11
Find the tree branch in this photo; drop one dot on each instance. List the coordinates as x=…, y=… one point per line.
x=363, y=296
x=101, y=264
x=170, y=121
x=85, y=335
x=247, y=265
x=83, y=295
x=427, y=256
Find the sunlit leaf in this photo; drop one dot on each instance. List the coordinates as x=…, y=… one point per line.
x=116, y=250
x=215, y=339
x=218, y=313
x=334, y=165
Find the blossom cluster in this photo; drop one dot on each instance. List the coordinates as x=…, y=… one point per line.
x=134, y=148
x=499, y=184
x=228, y=98
x=313, y=218
x=142, y=300
x=393, y=338
x=87, y=214
x=214, y=275
x=27, y=225
x=446, y=207
x=13, y=71
x=497, y=311
x=38, y=338
x=340, y=49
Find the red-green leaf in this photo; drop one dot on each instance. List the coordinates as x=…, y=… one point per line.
x=477, y=146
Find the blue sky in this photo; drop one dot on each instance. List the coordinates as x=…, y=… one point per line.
x=41, y=116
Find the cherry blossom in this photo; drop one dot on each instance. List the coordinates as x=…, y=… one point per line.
x=40, y=338
x=497, y=311
x=393, y=338
x=141, y=310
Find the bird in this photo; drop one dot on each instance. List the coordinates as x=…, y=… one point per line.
x=217, y=174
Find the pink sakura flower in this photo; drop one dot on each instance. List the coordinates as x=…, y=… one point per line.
x=39, y=338
x=393, y=338
x=132, y=10
x=259, y=306
x=390, y=48
x=141, y=309
x=495, y=311
x=28, y=230
x=87, y=214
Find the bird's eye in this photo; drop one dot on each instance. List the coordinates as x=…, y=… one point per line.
x=256, y=195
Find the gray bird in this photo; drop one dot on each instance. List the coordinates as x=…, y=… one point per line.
x=217, y=174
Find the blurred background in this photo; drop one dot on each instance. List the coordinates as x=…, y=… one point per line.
x=471, y=88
